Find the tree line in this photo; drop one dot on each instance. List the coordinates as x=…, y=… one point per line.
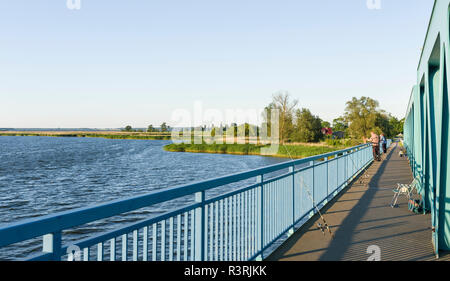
x=361, y=116
x=164, y=128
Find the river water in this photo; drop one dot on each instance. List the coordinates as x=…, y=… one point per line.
x=46, y=175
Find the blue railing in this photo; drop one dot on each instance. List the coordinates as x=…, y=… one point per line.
x=239, y=225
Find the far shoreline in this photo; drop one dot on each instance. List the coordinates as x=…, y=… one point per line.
x=288, y=150
x=90, y=134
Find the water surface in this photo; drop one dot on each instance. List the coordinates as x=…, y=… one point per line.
x=45, y=175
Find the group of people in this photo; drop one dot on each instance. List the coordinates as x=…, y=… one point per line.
x=376, y=140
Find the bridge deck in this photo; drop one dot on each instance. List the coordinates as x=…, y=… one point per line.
x=361, y=217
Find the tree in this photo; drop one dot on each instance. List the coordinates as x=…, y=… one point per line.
x=150, y=129
x=339, y=124
x=326, y=124
x=234, y=127
x=382, y=125
x=308, y=127
x=282, y=102
x=164, y=127
x=266, y=126
x=361, y=115
x=396, y=126
x=128, y=128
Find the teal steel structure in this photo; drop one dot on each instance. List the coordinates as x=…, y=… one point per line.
x=427, y=125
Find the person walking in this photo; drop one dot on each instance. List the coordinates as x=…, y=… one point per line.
x=383, y=143
x=375, y=140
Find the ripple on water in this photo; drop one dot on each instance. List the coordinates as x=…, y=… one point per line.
x=41, y=176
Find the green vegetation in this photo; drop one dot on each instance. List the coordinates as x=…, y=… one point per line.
x=363, y=116
x=301, y=133
x=294, y=151
x=106, y=135
x=308, y=127
x=164, y=128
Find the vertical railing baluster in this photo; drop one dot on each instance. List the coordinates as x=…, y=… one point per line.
x=205, y=244
x=200, y=227
x=328, y=190
x=291, y=230
x=135, y=245
x=238, y=223
x=216, y=231
x=221, y=230
x=337, y=174
x=240, y=227
x=254, y=222
x=145, y=243
x=186, y=232
x=100, y=252
x=52, y=244
x=284, y=204
x=163, y=240
x=193, y=234
x=86, y=254
x=211, y=232
x=244, y=226
x=112, y=249
x=274, y=199
x=179, y=237
x=234, y=239
x=260, y=180
x=247, y=217
x=268, y=202
x=155, y=242
x=171, y=239
x=313, y=185
x=227, y=230
x=124, y=247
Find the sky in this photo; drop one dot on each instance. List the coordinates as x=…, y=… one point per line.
x=136, y=62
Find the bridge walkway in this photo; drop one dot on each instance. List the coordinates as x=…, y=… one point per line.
x=360, y=217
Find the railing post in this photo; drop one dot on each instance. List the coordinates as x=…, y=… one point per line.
x=52, y=244
x=291, y=230
x=328, y=187
x=337, y=175
x=260, y=180
x=313, y=211
x=199, y=241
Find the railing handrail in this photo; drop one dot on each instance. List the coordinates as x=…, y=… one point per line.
x=31, y=228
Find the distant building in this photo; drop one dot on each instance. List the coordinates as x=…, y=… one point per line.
x=327, y=131
x=339, y=134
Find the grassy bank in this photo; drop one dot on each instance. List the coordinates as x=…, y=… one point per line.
x=294, y=151
x=93, y=134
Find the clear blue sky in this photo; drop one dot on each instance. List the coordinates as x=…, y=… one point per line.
x=114, y=63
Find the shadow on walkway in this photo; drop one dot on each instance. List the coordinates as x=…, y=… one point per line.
x=343, y=236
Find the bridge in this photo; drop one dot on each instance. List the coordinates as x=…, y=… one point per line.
x=363, y=221
x=263, y=207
